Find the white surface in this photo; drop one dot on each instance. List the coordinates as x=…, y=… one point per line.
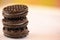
x=44, y=24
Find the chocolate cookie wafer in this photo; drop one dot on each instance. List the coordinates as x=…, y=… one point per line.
x=15, y=11
x=14, y=22
x=16, y=32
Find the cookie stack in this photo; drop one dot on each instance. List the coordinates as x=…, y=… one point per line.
x=15, y=21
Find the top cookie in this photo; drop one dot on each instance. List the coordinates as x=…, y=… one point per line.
x=15, y=11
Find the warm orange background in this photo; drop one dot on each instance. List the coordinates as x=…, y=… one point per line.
x=32, y=2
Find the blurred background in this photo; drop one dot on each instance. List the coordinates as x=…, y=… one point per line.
x=53, y=3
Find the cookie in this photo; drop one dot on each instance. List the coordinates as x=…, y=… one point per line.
x=16, y=32
x=15, y=11
x=14, y=22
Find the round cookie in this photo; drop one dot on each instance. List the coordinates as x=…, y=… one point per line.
x=16, y=33
x=15, y=11
x=14, y=22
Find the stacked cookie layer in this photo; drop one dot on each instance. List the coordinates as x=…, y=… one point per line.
x=15, y=21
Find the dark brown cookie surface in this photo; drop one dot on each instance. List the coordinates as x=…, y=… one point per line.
x=16, y=34
x=15, y=11
x=14, y=22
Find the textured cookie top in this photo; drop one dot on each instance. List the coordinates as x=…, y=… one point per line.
x=15, y=9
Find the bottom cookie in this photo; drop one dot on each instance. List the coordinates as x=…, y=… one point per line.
x=16, y=33
x=19, y=36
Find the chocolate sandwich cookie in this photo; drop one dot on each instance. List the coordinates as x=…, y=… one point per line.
x=15, y=22
x=16, y=32
x=15, y=11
